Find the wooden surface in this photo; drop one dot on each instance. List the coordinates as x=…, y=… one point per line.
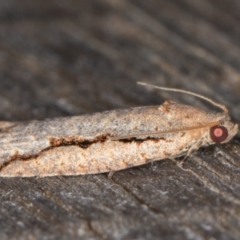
x=64, y=58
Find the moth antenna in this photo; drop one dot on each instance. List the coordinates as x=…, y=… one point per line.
x=225, y=110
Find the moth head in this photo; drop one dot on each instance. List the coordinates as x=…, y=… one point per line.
x=218, y=133
x=223, y=132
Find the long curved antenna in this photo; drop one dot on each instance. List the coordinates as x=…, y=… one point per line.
x=225, y=110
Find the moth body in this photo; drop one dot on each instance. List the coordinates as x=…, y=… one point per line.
x=108, y=141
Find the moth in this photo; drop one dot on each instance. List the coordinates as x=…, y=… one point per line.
x=111, y=140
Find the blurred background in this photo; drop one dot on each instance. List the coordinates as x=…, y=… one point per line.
x=64, y=58
x=71, y=57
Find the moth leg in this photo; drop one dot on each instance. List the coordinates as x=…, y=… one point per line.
x=194, y=148
x=190, y=151
x=110, y=174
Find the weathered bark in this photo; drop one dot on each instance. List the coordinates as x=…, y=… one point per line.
x=67, y=58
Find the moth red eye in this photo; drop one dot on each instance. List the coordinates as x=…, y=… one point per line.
x=218, y=133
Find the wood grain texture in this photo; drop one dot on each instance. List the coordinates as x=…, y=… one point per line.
x=64, y=58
